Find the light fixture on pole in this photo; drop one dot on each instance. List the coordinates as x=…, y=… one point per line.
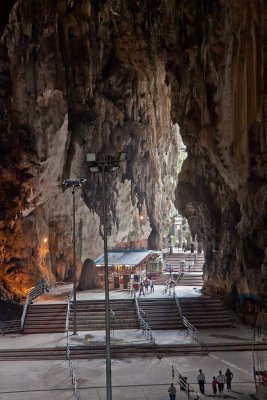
x=73, y=183
x=105, y=164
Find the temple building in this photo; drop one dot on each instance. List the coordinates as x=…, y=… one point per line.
x=123, y=265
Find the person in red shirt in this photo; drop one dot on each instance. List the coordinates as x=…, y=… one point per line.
x=214, y=384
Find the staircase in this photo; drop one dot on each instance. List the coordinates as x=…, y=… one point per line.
x=198, y=265
x=161, y=313
x=195, y=261
x=190, y=280
x=205, y=312
x=175, y=260
x=45, y=318
x=90, y=315
x=160, y=279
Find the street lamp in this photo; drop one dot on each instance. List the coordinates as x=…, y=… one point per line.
x=73, y=183
x=103, y=165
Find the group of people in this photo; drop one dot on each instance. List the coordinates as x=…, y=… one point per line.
x=190, y=247
x=217, y=382
x=145, y=286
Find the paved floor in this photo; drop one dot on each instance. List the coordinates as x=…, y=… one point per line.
x=139, y=378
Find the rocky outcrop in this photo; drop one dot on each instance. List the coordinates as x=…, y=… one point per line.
x=89, y=278
x=112, y=75
x=222, y=187
x=77, y=77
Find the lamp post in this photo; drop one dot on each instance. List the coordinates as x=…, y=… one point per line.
x=103, y=165
x=73, y=183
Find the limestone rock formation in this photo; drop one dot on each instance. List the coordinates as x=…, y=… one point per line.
x=89, y=276
x=79, y=76
x=223, y=187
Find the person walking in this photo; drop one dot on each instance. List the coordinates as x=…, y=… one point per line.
x=172, y=392
x=141, y=291
x=214, y=384
x=146, y=284
x=190, y=266
x=151, y=285
x=228, y=377
x=201, y=380
x=221, y=380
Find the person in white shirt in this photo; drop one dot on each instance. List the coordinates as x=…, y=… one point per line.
x=201, y=380
x=220, y=380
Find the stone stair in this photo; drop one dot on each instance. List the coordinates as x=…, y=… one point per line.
x=192, y=279
x=160, y=279
x=175, y=259
x=45, y=318
x=198, y=265
x=196, y=262
x=205, y=312
x=161, y=313
x=90, y=315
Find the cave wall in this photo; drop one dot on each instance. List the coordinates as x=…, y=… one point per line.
x=77, y=77
x=111, y=75
x=222, y=188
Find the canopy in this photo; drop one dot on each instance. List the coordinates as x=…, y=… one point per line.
x=127, y=258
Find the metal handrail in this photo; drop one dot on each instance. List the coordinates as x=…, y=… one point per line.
x=73, y=379
x=191, y=329
x=112, y=312
x=32, y=294
x=168, y=286
x=143, y=324
x=258, y=363
x=115, y=317
x=70, y=294
x=146, y=330
x=191, y=393
x=142, y=312
x=178, y=306
x=72, y=372
x=68, y=316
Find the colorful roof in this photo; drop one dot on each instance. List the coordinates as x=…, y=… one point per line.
x=127, y=258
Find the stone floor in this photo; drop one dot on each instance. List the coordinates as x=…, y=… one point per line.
x=133, y=379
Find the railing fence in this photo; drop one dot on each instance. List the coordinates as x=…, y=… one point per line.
x=192, y=330
x=31, y=295
x=17, y=325
x=184, y=385
x=259, y=370
x=143, y=324
x=72, y=372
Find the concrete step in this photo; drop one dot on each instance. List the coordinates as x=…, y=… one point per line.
x=100, y=313
x=45, y=318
